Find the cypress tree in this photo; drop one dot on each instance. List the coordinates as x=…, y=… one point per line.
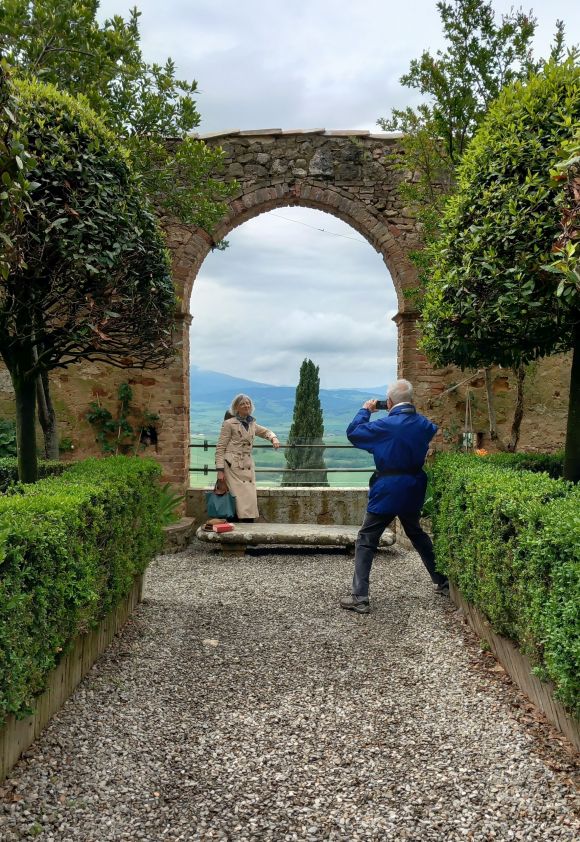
x=307, y=428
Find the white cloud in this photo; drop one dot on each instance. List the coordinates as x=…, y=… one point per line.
x=284, y=291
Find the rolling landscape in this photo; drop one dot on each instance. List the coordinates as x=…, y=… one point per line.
x=211, y=394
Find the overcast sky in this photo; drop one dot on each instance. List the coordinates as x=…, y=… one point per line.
x=284, y=291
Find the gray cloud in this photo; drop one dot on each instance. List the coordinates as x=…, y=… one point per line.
x=300, y=65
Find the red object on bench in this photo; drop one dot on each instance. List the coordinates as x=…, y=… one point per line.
x=223, y=527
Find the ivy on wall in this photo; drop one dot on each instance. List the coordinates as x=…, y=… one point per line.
x=130, y=430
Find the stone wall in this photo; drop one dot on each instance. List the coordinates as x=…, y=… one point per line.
x=354, y=176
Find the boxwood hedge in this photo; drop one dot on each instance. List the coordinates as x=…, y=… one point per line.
x=9, y=470
x=70, y=548
x=510, y=540
x=549, y=463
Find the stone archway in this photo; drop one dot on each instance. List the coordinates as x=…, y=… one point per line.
x=353, y=175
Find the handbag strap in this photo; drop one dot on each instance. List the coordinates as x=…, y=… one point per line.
x=220, y=487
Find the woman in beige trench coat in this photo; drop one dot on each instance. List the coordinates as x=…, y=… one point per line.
x=233, y=455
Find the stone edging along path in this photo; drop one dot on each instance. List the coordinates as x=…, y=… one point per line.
x=16, y=735
x=516, y=664
x=519, y=668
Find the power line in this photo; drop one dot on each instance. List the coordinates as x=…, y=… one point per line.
x=324, y=231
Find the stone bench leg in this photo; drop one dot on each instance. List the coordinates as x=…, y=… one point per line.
x=233, y=549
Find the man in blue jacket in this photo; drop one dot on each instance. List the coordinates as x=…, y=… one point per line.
x=399, y=443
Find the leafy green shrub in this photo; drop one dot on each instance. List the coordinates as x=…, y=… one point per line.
x=70, y=548
x=119, y=435
x=9, y=471
x=169, y=502
x=510, y=540
x=550, y=463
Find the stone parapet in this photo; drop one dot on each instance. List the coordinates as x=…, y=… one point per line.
x=324, y=506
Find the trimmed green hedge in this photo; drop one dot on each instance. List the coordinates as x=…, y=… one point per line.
x=551, y=463
x=510, y=540
x=9, y=470
x=70, y=548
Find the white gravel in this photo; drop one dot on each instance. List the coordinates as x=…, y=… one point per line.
x=241, y=703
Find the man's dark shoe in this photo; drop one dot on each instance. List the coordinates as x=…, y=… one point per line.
x=354, y=603
x=443, y=588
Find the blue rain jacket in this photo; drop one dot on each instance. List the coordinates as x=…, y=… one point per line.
x=398, y=441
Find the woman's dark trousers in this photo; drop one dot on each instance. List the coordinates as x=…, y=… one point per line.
x=368, y=540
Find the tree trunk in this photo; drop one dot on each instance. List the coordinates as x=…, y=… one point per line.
x=25, y=392
x=518, y=411
x=47, y=416
x=490, y=405
x=572, y=454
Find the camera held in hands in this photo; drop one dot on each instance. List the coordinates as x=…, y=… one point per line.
x=381, y=405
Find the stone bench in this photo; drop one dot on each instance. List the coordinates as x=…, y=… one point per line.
x=286, y=534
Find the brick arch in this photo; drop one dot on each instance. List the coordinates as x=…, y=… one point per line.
x=195, y=248
x=351, y=175
x=354, y=176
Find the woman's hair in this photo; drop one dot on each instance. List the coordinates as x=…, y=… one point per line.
x=237, y=401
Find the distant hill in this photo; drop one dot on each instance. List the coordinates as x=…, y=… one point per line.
x=211, y=393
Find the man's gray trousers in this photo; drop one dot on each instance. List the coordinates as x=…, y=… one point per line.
x=367, y=543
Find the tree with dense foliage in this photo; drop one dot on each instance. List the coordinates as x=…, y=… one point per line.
x=14, y=161
x=62, y=42
x=566, y=266
x=92, y=276
x=482, y=56
x=491, y=299
x=307, y=429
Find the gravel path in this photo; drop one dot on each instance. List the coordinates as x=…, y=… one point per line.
x=241, y=704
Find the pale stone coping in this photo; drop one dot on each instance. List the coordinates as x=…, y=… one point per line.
x=181, y=525
x=387, y=135
x=298, y=132
x=302, y=131
x=294, y=491
x=287, y=490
